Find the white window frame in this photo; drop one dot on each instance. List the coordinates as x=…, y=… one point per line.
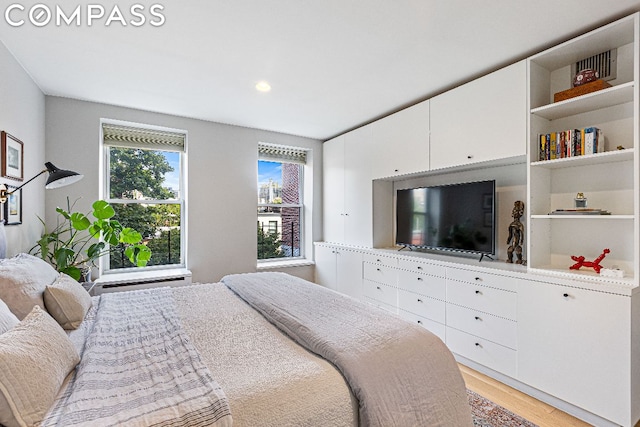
x=105, y=195
x=300, y=206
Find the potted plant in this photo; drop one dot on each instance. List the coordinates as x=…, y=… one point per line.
x=77, y=241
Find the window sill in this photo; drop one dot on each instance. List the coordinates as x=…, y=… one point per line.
x=146, y=276
x=268, y=265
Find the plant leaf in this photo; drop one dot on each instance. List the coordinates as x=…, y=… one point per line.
x=63, y=257
x=102, y=210
x=129, y=235
x=79, y=221
x=74, y=272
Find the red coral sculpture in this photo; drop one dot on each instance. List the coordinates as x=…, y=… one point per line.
x=595, y=264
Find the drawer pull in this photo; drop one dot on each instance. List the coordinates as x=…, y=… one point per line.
x=377, y=269
x=565, y=295
x=419, y=300
x=469, y=156
x=378, y=287
x=420, y=278
x=478, y=318
x=478, y=345
x=378, y=260
x=478, y=292
x=478, y=279
x=419, y=322
x=419, y=267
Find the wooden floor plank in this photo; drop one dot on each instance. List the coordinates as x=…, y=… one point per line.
x=537, y=412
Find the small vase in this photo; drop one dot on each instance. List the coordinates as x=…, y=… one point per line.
x=85, y=274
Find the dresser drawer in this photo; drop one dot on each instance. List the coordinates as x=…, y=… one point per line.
x=431, y=286
x=418, y=266
x=438, y=329
x=379, y=292
x=381, y=273
x=489, y=300
x=423, y=306
x=387, y=260
x=381, y=305
x=496, y=329
x=484, y=279
x=482, y=351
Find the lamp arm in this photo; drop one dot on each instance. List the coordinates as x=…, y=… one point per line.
x=3, y=188
x=18, y=188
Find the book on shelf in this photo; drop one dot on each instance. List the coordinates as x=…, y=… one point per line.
x=570, y=143
x=580, y=211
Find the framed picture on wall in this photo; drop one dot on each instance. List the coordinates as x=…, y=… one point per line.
x=13, y=207
x=12, y=157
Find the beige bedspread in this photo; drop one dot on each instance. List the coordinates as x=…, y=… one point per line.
x=268, y=379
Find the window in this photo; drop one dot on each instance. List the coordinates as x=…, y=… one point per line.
x=280, y=202
x=144, y=172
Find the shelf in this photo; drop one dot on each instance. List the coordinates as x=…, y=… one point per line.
x=589, y=159
x=582, y=217
x=615, y=95
x=582, y=274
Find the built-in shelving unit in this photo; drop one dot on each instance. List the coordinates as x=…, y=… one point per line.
x=609, y=180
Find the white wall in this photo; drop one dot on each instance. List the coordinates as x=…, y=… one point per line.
x=222, y=179
x=22, y=114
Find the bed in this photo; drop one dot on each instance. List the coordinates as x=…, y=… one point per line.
x=257, y=349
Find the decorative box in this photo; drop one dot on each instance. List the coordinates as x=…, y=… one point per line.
x=580, y=90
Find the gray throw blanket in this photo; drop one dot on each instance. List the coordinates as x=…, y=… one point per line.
x=139, y=368
x=401, y=374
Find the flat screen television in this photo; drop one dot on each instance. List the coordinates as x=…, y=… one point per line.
x=455, y=217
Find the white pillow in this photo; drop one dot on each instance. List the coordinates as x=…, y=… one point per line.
x=35, y=358
x=23, y=279
x=67, y=301
x=7, y=319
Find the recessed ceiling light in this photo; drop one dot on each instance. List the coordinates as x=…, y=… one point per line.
x=263, y=86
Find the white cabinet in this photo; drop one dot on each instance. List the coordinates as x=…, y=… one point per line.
x=400, y=142
x=348, y=189
x=609, y=179
x=485, y=119
x=339, y=269
x=333, y=190
x=575, y=344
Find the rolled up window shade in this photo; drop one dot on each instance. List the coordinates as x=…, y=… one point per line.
x=280, y=153
x=133, y=137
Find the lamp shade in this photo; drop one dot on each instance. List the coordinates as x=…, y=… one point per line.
x=60, y=177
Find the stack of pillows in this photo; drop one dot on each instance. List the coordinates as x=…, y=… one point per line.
x=37, y=305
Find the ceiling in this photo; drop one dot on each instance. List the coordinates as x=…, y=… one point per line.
x=333, y=65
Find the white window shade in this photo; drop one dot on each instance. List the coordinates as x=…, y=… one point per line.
x=280, y=153
x=131, y=137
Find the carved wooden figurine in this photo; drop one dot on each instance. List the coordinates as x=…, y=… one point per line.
x=516, y=234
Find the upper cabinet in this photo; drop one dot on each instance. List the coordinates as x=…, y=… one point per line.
x=608, y=176
x=348, y=189
x=483, y=120
x=400, y=142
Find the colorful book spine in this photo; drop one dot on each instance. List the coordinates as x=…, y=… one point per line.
x=570, y=143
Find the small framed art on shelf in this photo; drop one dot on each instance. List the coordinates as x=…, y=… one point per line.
x=12, y=157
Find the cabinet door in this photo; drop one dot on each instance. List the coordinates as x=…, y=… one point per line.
x=575, y=344
x=333, y=190
x=358, y=189
x=400, y=142
x=326, y=273
x=349, y=273
x=485, y=119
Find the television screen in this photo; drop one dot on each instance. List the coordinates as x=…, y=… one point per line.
x=458, y=217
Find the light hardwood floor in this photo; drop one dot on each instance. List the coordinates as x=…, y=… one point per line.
x=519, y=403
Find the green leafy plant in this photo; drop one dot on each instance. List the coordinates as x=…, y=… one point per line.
x=78, y=241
